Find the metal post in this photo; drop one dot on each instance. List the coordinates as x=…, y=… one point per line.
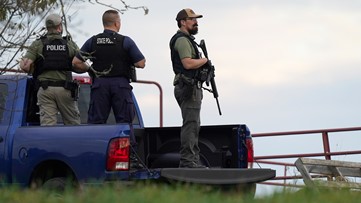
x=326, y=145
x=160, y=98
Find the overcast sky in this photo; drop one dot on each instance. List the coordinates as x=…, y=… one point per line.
x=281, y=65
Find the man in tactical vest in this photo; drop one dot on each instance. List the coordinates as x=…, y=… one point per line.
x=186, y=60
x=48, y=59
x=113, y=55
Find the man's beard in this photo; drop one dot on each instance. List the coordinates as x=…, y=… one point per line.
x=194, y=30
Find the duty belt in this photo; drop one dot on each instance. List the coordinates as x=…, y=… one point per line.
x=45, y=84
x=73, y=86
x=184, y=80
x=60, y=83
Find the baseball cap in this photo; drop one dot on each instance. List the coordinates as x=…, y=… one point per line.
x=53, y=20
x=187, y=13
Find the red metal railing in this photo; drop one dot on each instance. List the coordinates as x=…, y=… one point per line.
x=327, y=153
x=160, y=98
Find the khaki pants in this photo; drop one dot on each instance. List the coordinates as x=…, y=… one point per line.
x=54, y=100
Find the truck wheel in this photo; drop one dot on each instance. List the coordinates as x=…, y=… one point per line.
x=57, y=184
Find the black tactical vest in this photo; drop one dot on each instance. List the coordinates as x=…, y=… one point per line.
x=108, y=52
x=176, y=61
x=55, y=56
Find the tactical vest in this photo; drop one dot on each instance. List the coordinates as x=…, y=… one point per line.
x=55, y=56
x=108, y=52
x=176, y=61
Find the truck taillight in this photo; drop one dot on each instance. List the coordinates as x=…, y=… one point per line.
x=82, y=79
x=118, y=154
x=250, y=155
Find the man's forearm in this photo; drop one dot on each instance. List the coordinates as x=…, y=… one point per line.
x=79, y=66
x=190, y=63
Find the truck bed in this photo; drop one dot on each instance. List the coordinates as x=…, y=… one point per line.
x=221, y=146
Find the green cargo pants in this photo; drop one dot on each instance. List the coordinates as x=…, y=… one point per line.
x=189, y=98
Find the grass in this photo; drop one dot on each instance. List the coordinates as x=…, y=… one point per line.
x=149, y=193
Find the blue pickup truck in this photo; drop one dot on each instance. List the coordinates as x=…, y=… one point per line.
x=53, y=156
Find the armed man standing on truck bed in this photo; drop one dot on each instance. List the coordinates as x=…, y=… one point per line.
x=186, y=60
x=113, y=56
x=51, y=57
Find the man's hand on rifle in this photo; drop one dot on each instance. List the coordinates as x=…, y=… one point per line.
x=210, y=71
x=209, y=63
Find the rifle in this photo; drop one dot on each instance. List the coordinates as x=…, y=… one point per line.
x=210, y=75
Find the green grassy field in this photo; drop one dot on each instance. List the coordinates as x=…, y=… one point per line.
x=144, y=193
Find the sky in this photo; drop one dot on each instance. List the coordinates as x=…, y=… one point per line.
x=281, y=65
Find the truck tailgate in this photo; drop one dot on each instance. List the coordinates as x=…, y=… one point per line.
x=218, y=176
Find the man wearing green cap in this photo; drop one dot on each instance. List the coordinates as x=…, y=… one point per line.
x=49, y=59
x=186, y=60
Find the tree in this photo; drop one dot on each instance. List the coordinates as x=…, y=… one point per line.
x=21, y=22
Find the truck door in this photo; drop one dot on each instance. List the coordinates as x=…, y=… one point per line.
x=4, y=124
